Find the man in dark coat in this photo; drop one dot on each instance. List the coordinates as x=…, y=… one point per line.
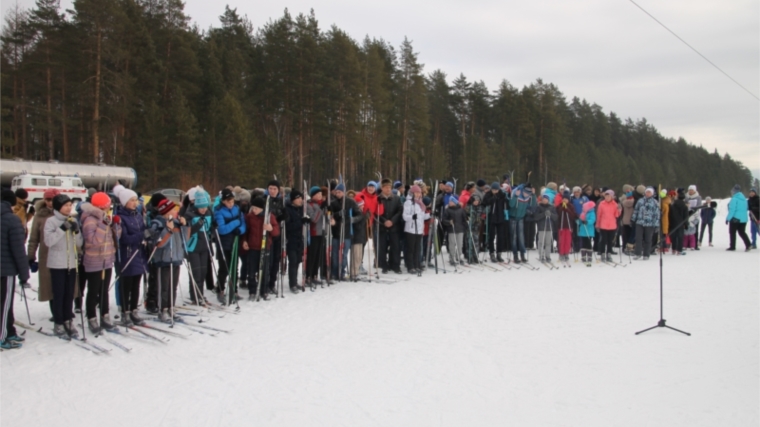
x=13, y=262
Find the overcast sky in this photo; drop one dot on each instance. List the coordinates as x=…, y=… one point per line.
x=607, y=52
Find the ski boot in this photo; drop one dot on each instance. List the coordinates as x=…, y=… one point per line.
x=59, y=331
x=94, y=325
x=136, y=319
x=126, y=319
x=522, y=258
x=493, y=258
x=499, y=258
x=105, y=322
x=71, y=331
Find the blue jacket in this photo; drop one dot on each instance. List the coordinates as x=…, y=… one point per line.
x=737, y=208
x=578, y=203
x=587, y=229
x=708, y=215
x=132, y=236
x=230, y=223
x=200, y=229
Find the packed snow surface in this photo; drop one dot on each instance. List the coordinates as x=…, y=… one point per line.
x=522, y=348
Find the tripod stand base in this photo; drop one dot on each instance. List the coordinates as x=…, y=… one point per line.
x=661, y=324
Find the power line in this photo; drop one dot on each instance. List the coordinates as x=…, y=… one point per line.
x=695, y=50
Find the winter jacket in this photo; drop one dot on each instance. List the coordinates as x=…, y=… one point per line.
x=567, y=216
x=199, y=229
x=708, y=215
x=36, y=241
x=521, y=203
x=345, y=218
x=370, y=204
x=738, y=208
x=294, y=227
x=646, y=213
x=691, y=225
x=578, y=203
x=628, y=205
x=457, y=215
x=607, y=215
x=587, y=220
x=131, y=241
x=540, y=216
x=442, y=202
x=753, y=203
x=20, y=210
x=411, y=208
x=277, y=206
x=464, y=197
x=230, y=223
x=679, y=213
x=99, y=239
x=255, y=230
x=694, y=201
x=498, y=213
x=63, y=246
x=317, y=215
x=665, y=214
x=169, y=250
x=13, y=260
x=360, y=228
x=391, y=209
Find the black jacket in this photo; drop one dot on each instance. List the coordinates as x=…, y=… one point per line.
x=457, y=215
x=678, y=213
x=347, y=218
x=294, y=227
x=13, y=260
x=498, y=204
x=753, y=203
x=393, y=209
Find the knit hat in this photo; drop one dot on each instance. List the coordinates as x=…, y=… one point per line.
x=588, y=206
x=415, y=189
x=610, y=192
x=9, y=196
x=708, y=198
x=545, y=196
x=227, y=194
x=314, y=190
x=21, y=194
x=295, y=195
x=385, y=182
x=576, y=189
x=640, y=189
x=650, y=190
x=426, y=200
x=372, y=184
x=737, y=189
x=165, y=206
x=481, y=183
x=663, y=193
x=202, y=199
x=454, y=199
x=397, y=184
x=566, y=194
x=340, y=187
x=100, y=200
x=259, y=202
x=627, y=188
x=753, y=190
x=494, y=185
x=274, y=182
x=59, y=201
x=449, y=184
x=156, y=199
x=124, y=194
x=50, y=193
x=552, y=185
x=692, y=187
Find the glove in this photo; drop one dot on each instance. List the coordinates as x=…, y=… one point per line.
x=306, y=218
x=414, y=217
x=107, y=220
x=34, y=266
x=547, y=214
x=74, y=226
x=66, y=226
x=116, y=219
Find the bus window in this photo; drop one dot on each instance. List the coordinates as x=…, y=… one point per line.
x=54, y=182
x=78, y=183
x=39, y=181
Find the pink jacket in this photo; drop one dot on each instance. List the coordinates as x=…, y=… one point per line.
x=607, y=215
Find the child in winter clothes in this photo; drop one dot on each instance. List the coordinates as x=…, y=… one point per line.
x=606, y=223
x=43, y=211
x=100, y=235
x=679, y=213
x=315, y=255
x=586, y=226
x=255, y=226
x=455, y=222
x=230, y=221
x=567, y=217
x=359, y=239
x=166, y=231
x=690, y=234
x=707, y=216
x=545, y=216
x=295, y=221
x=414, y=226
x=198, y=243
x=522, y=201
x=64, y=241
x=131, y=264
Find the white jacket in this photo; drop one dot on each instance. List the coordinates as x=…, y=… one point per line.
x=61, y=253
x=411, y=208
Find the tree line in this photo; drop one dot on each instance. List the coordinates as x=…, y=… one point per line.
x=131, y=82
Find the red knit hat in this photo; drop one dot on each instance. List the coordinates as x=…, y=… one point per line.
x=165, y=206
x=100, y=200
x=50, y=193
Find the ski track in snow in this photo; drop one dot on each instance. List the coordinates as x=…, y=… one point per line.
x=482, y=348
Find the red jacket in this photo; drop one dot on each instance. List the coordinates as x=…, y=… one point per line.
x=370, y=204
x=464, y=196
x=255, y=228
x=606, y=215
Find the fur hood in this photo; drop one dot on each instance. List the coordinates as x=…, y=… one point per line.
x=42, y=210
x=89, y=210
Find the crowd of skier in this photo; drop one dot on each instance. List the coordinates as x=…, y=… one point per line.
x=241, y=240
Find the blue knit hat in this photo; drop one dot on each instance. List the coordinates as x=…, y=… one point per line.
x=454, y=199
x=341, y=187
x=314, y=190
x=202, y=199
x=397, y=184
x=372, y=184
x=494, y=185
x=450, y=184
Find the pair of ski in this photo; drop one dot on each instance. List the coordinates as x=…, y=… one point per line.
x=79, y=342
x=550, y=265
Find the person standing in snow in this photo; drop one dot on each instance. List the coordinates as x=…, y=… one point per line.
x=567, y=217
x=646, y=218
x=13, y=262
x=455, y=223
x=165, y=231
x=737, y=218
x=707, y=215
x=198, y=242
x=497, y=204
x=586, y=227
x=414, y=226
x=43, y=211
x=693, y=200
x=606, y=222
x=754, y=208
x=679, y=214
x=545, y=217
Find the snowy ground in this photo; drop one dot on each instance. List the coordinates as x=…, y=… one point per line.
x=546, y=348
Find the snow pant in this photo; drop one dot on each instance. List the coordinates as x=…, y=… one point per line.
x=7, y=285
x=606, y=241
x=295, y=256
x=64, y=284
x=357, y=257
x=209, y=273
x=702, y=232
x=498, y=232
x=586, y=243
x=402, y=246
x=545, y=243
x=518, y=235
x=564, y=244
x=82, y=286
x=753, y=231
x=315, y=256
x=254, y=258
x=738, y=227
x=97, y=292
x=629, y=234
x=423, y=257
x=389, y=251
x=151, y=299
x=643, y=240
x=275, y=255
x=413, y=248
x=335, y=258
x=676, y=240
x=168, y=287
x=198, y=262
x=456, y=240
x=130, y=292
x=529, y=231
x=223, y=271
x=689, y=241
